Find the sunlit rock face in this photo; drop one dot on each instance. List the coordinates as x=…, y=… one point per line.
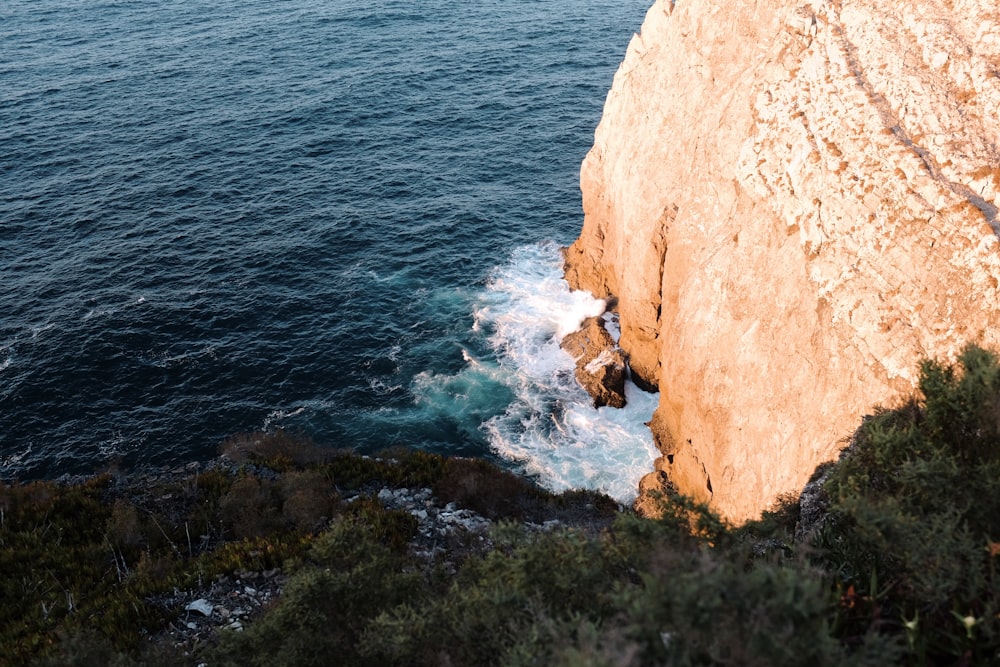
x=794, y=203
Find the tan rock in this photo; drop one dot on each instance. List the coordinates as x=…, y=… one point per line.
x=794, y=203
x=652, y=493
x=600, y=363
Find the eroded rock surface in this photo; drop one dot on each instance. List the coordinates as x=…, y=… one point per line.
x=794, y=203
x=600, y=363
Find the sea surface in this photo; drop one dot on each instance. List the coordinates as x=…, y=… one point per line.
x=338, y=218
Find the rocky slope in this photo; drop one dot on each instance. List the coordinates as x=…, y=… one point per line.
x=794, y=203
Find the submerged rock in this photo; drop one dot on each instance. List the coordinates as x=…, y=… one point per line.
x=600, y=363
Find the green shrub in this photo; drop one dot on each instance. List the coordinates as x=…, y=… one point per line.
x=493, y=604
x=394, y=467
x=915, y=510
x=901, y=570
x=251, y=508
x=719, y=612
x=353, y=573
x=278, y=450
x=490, y=491
x=308, y=500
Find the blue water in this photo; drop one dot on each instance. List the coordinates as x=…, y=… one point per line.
x=221, y=216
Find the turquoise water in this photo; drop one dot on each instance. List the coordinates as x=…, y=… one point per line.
x=225, y=216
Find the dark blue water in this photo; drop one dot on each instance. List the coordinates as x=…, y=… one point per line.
x=219, y=216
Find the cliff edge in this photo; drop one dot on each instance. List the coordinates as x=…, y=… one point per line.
x=794, y=203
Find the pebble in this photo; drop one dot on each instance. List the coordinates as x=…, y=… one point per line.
x=201, y=606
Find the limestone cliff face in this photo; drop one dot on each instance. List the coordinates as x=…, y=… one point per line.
x=794, y=203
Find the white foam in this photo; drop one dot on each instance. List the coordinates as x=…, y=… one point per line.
x=189, y=357
x=454, y=394
x=276, y=416
x=464, y=399
x=15, y=459
x=600, y=361
x=38, y=331
x=382, y=388
x=394, y=351
x=119, y=444
x=551, y=427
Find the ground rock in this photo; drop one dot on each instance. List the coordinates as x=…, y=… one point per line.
x=201, y=606
x=794, y=203
x=600, y=363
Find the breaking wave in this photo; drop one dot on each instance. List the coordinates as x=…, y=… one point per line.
x=550, y=427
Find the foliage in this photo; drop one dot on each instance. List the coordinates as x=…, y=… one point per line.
x=498, y=494
x=278, y=450
x=900, y=568
x=84, y=564
x=490, y=608
x=916, y=510
x=354, y=571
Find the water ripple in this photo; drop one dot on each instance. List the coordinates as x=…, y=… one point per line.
x=223, y=215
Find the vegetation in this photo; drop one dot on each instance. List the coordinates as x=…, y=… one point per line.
x=916, y=512
x=897, y=566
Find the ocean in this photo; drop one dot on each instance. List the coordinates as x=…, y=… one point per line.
x=341, y=219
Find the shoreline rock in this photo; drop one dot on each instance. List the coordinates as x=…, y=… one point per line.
x=600, y=363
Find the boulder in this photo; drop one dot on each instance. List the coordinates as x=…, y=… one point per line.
x=600, y=363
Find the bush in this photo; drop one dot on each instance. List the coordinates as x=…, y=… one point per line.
x=395, y=467
x=488, y=490
x=915, y=510
x=901, y=570
x=354, y=571
x=278, y=450
x=495, y=603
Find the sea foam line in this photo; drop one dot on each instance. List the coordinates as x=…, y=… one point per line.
x=550, y=427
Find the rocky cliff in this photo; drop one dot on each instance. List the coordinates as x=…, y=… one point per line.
x=794, y=203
